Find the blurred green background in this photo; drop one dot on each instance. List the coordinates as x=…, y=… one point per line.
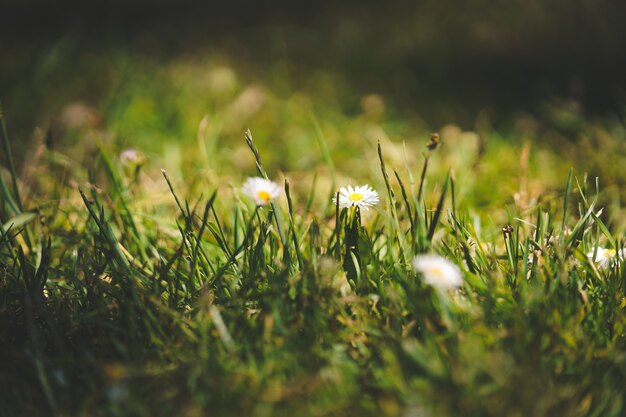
x=445, y=60
x=145, y=74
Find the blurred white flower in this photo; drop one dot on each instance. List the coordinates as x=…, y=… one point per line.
x=262, y=191
x=438, y=272
x=606, y=258
x=131, y=157
x=363, y=197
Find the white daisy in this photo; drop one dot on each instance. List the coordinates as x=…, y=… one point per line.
x=131, y=157
x=606, y=258
x=362, y=197
x=438, y=272
x=262, y=191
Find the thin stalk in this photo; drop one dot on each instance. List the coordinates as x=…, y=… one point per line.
x=296, y=242
x=7, y=150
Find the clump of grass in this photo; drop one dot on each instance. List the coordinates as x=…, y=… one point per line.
x=122, y=299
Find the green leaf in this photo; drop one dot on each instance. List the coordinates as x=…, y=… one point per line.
x=18, y=221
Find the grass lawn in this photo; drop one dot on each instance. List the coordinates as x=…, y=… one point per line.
x=138, y=277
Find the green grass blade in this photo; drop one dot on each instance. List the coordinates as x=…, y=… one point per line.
x=9, y=157
x=435, y=219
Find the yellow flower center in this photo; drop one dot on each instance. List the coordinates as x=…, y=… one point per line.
x=609, y=253
x=355, y=197
x=264, y=195
x=437, y=272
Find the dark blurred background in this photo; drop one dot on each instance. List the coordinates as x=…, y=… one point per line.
x=445, y=60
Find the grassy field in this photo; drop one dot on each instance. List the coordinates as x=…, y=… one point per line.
x=139, y=279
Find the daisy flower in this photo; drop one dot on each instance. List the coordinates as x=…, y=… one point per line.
x=438, y=272
x=362, y=197
x=262, y=191
x=606, y=258
x=132, y=157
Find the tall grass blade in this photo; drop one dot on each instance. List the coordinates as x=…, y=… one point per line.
x=435, y=218
x=9, y=157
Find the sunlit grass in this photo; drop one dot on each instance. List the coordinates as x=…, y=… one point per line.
x=146, y=281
